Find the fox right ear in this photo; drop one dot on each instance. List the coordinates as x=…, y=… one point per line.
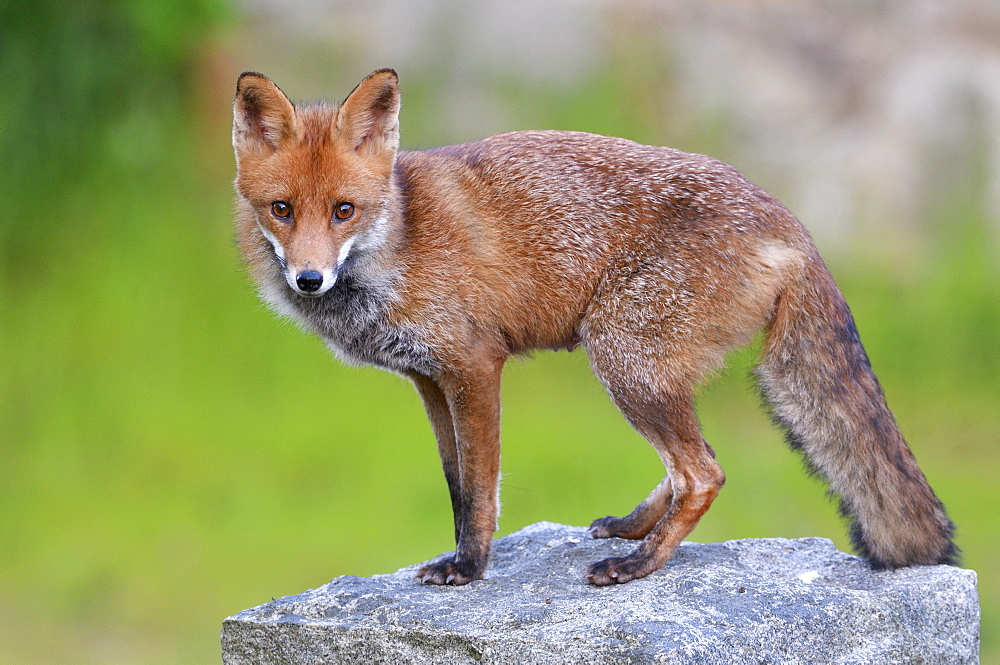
x=368, y=120
x=263, y=116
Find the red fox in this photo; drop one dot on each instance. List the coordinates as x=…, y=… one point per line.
x=441, y=264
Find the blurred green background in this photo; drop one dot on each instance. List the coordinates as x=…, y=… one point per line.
x=171, y=453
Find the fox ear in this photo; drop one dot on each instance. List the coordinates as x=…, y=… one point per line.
x=262, y=115
x=368, y=121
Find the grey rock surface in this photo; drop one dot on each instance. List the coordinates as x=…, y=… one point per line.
x=741, y=601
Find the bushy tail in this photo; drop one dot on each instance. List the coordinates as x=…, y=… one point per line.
x=816, y=378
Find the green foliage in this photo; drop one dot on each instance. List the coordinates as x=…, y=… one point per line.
x=88, y=87
x=171, y=453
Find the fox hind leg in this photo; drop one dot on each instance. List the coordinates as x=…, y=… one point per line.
x=693, y=481
x=637, y=524
x=640, y=521
x=651, y=380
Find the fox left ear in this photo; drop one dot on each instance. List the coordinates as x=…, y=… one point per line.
x=368, y=120
x=263, y=117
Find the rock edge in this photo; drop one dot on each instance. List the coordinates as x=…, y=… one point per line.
x=741, y=601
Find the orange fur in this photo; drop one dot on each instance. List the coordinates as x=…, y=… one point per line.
x=656, y=261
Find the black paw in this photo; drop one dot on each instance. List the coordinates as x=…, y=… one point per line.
x=448, y=571
x=619, y=570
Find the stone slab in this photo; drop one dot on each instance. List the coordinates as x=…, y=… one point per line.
x=742, y=601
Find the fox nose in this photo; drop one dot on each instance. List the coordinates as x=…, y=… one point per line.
x=309, y=280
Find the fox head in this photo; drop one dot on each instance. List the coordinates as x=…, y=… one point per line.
x=316, y=180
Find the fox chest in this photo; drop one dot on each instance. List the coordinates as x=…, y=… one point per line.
x=353, y=322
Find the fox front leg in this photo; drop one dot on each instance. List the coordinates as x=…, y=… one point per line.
x=443, y=424
x=470, y=454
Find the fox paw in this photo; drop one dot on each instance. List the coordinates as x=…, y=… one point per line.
x=616, y=527
x=605, y=527
x=619, y=570
x=447, y=571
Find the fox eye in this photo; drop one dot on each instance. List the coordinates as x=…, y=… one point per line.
x=281, y=210
x=343, y=211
